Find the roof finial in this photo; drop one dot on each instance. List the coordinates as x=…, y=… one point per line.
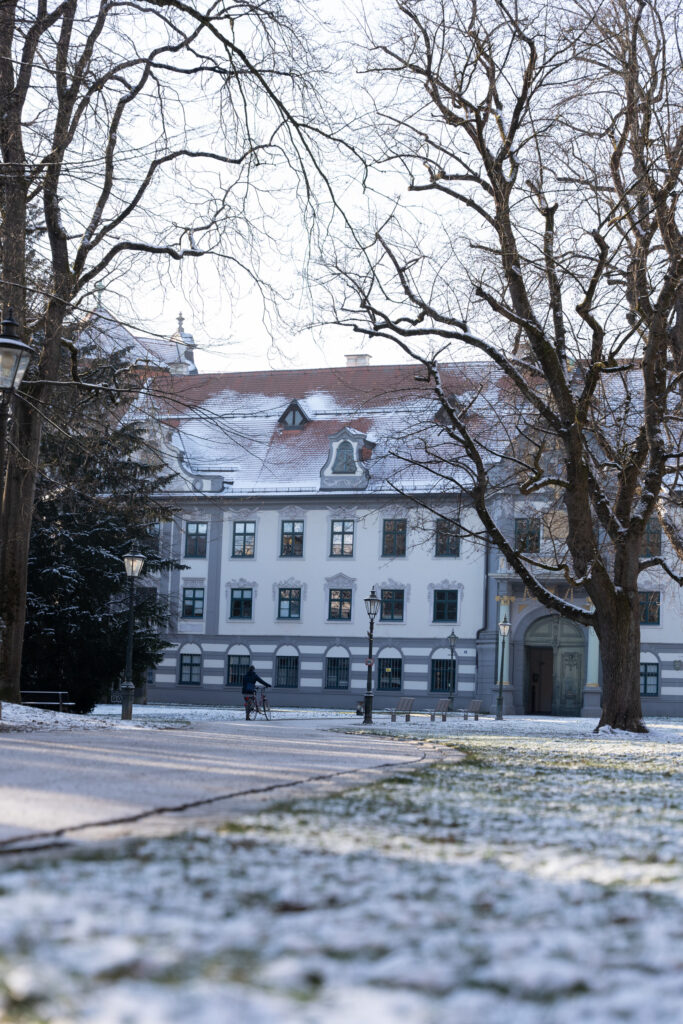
x=181, y=321
x=100, y=289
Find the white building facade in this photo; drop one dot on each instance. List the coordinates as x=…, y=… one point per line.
x=296, y=493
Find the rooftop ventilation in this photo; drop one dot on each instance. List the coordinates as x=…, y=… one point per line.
x=357, y=359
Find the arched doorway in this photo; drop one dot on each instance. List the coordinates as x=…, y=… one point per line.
x=555, y=667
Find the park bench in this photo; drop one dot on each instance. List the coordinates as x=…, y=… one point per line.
x=473, y=709
x=48, y=700
x=403, y=707
x=440, y=709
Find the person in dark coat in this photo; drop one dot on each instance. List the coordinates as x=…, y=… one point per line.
x=249, y=688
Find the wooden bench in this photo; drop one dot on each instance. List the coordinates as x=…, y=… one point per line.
x=440, y=709
x=473, y=709
x=403, y=707
x=48, y=700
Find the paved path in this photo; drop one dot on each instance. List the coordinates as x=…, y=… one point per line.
x=55, y=785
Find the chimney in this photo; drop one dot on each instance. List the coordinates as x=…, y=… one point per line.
x=357, y=359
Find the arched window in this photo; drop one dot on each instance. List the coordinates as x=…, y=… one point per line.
x=344, y=461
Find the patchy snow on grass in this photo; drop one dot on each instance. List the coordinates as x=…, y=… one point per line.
x=538, y=880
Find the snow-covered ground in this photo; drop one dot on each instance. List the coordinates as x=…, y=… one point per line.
x=538, y=880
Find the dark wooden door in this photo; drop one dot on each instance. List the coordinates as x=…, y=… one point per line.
x=540, y=686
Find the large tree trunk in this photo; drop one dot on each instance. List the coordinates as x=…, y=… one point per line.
x=618, y=630
x=17, y=511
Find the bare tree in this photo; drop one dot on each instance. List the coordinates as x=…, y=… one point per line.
x=546, y=142
x=131, y=131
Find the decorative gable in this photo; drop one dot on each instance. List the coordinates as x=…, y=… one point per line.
x=344, y=469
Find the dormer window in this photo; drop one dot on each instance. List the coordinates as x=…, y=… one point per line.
x=293, y=417
x=344, y=462
x=345, y=469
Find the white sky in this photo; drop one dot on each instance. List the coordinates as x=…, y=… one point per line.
x=227, y=318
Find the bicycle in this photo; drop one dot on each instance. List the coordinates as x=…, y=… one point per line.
x=259, y=704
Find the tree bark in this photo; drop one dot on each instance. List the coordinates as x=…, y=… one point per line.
x=618, y=630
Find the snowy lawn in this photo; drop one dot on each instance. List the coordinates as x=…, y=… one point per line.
x=536, y=881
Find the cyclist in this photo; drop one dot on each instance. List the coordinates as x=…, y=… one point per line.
x=249, y=689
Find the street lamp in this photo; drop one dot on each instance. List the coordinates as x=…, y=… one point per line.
x=452, y=641
x=372, y=603
x=504, y=628
x=133, y=563
x=14, y=354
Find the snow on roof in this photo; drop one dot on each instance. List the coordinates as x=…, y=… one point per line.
x=228, y=423
x=106, y=334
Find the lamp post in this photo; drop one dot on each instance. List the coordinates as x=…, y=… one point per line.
x=504, y=628
x=14, y=355
x=452, y=641
x=372, y=603
x=133, y=563
x=14, y=358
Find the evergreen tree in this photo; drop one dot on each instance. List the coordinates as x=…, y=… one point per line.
x=94, y=502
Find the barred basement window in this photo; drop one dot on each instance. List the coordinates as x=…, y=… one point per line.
x=337, y=674
x=443, y=675
x=190, y=669
x=287, y=671
x=389, y=673
x=649, y=679
x=237, y=666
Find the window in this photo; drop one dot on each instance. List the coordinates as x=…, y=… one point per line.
x=240, y=603
x=292, y=542
x=528, y=535
x=287, y=671
x=342, y=538
x=649, y=607
x=337, y=673
x=652, y=538
x=447, y=539
x=393, y=538
x=237, y=666
x=649, y=680
x=195, y=540
x=392, y=606
x=340, y=604
x=193, y=602
x=191, y=669
x=293, y=418
x=443, y=675
x=243, y=535
x=344, y=462
x=289, y=603
x=445, y=606
x=389, y=673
